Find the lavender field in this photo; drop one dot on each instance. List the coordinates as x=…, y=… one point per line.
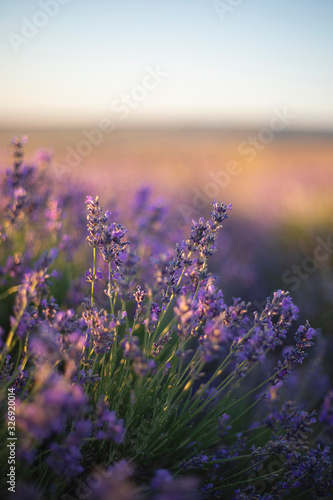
x=166, y=250
x=130, y=367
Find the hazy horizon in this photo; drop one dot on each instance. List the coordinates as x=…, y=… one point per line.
x=166, y=64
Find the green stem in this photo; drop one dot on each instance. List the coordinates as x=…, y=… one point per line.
x=93, y=276
x=170, y=301
x=11, y=290
x=252, y=479
x=25, y=350
x=109, y=290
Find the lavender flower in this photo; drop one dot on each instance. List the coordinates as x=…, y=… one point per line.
x=66, y=459
x=108, y=424
x=101, y=328
x=194, y=463
x=96, y=277
x=96, y=221
x=50, y=409
x=161, y=479
x=141, y=365
x=294, y=355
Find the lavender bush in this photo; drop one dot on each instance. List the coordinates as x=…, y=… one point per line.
x=152, y=386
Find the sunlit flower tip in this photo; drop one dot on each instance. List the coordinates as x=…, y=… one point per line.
x=219, y=213
x=139, y=295
x=15, y=141
x=99, y=273
x=19, y=192
x=89, y=199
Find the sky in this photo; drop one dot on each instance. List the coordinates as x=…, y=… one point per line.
x=166, y=62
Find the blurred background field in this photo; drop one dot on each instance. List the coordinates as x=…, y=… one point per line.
x=289, y=181
x=282, y=199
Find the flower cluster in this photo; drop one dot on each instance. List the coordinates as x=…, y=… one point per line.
x=110, y=427
x=101, y=328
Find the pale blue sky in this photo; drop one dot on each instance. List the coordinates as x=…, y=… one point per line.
x=263, y=54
